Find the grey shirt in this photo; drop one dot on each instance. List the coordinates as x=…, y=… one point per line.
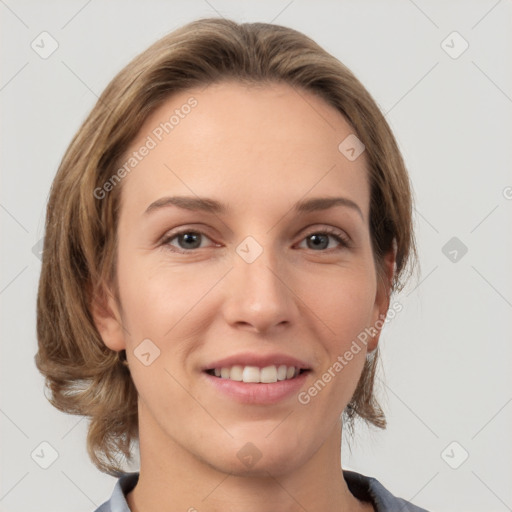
x=362, y=487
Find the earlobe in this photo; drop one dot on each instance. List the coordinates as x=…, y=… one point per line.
x=105, y=313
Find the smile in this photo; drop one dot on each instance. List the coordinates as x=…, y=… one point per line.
x=254, y=374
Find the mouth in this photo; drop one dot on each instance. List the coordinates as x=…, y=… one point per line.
x=257, y=375
x=257, y=378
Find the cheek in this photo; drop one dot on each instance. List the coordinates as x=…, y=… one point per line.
x=343, y=301
x=159, y=299
x=345, y=310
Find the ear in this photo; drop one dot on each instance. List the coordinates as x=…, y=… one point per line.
x=107, y=318
x=382, y=298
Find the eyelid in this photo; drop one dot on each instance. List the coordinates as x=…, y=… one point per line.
x=345, y=239
x=342, y=237
x=172, y=234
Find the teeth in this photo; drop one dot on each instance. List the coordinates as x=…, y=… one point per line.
x=281, y=372
x=250, y=374
x=269, y=374
x=265, y=375
x=237, y=373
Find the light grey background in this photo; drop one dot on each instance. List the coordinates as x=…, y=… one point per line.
x=446, y=356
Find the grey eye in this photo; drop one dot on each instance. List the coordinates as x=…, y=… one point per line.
x=318, y=241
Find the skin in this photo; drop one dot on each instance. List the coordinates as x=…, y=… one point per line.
x=259, y=150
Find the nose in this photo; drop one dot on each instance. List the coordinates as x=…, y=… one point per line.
x=259, y=296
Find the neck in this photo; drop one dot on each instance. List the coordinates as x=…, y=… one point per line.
x=175, y=480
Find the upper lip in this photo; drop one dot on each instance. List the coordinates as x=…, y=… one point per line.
x=259, y=360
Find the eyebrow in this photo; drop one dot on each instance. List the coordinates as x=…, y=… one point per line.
x=209, y=205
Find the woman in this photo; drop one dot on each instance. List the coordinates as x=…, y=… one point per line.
x=223, y=237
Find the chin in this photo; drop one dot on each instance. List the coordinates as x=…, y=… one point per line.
x=259, y=457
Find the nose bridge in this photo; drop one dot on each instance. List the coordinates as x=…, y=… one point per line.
x=257, y=295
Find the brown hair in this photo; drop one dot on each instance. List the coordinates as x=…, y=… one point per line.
x=83, y=375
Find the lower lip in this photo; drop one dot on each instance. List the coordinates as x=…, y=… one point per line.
x=257, y=393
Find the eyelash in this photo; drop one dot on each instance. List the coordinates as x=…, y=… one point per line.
x=334, y=233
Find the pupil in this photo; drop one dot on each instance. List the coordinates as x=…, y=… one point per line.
x=321, y=241
x=191, y=239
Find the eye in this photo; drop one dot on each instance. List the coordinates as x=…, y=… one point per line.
x=186, y=240
x=321, y=240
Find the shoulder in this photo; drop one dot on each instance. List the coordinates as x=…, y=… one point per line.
x=117, y=502
x=370, y=489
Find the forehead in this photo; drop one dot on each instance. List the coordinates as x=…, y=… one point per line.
x=274, y=141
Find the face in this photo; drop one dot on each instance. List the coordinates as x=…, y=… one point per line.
x=243, y=244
